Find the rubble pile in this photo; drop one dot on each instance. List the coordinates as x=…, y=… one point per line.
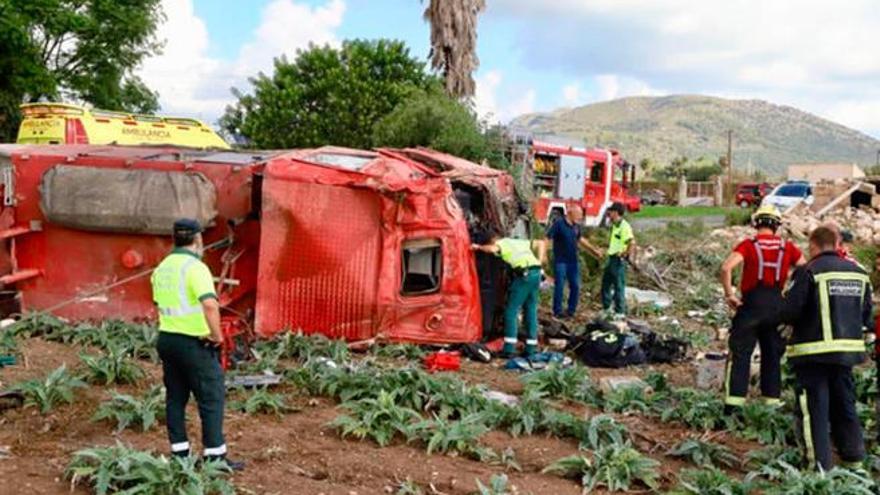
x=864, y=223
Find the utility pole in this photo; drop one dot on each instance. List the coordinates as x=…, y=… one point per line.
x=730, y=163
x=878, y=158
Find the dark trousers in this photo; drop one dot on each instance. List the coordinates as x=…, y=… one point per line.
x=826, y=405
x=566, y=272
x=614, y=284
x=755, y=322
x=192, y=366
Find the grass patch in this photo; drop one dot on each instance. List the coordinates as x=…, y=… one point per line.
x=666, y=211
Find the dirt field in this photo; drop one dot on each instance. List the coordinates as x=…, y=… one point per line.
x=298, y=453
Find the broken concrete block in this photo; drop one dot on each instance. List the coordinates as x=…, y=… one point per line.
x=610, y=383
x=711, y=369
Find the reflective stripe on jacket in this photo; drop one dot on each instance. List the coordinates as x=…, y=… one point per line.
x=180, y=283
x=517, y=253
x=829, y=305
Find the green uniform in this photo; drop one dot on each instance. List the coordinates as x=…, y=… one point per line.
x=190, y=363
x=614, y=276
x=522, y=293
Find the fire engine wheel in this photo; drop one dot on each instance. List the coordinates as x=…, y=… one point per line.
x=744, y=204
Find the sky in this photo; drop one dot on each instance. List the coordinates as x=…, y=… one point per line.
x=815, y=55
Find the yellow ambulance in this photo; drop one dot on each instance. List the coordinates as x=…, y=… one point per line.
x=60, y=123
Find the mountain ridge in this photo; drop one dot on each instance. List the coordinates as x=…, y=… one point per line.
x=765, y=134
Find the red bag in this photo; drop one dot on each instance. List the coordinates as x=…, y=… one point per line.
x=443, y=361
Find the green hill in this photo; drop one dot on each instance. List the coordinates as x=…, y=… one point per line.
x=662, y=128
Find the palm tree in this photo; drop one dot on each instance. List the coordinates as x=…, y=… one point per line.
x=454, y=42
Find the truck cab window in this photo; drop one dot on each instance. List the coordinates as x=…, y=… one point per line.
x=422, y=267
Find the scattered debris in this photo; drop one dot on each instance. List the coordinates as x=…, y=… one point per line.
x=611, y=383
x=660, y=300
x=507, y=399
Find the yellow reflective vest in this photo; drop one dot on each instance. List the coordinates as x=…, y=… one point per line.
x=180, y=283
x=517, y=253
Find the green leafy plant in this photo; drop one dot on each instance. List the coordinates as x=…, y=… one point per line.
x=398, y=351
x=460, y=436
x=627, y=399
x=773, y=456
x=261, y=401
x=497, y=486
x=8, y=343
x=526, y=417
x=122, y=469
x=379, y=419
x=58, y=386
x=506, y=459
x=703, y=453
x=128, y=411
x=114, y=366
x=603, y=430
x=36, y=324
x=694, y=408
x=615, y=467
x=572, y=383
x=710, y=481
x=767, y=424
x=792, y=481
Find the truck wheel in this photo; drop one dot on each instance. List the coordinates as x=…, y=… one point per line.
x=744, y=204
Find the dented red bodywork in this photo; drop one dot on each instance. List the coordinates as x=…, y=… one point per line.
x=348, y=243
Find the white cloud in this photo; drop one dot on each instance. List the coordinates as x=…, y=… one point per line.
x=612, y=86
x=287, y=26
x=813, y=52
x=516, y=101
x=572, y=94
x=192, y=83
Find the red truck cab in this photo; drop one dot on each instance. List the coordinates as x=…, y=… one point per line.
x=593, y=179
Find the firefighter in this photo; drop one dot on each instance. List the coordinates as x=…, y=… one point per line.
x=189, y=340
x=829, y=306
x=766, y=260
x=522, y=294
x=621, y=246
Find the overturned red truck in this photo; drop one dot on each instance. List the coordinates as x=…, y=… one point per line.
x=352, y=244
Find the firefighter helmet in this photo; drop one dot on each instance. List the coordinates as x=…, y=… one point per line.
x=767, y=216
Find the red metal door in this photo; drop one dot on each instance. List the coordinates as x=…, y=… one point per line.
x=319, y=259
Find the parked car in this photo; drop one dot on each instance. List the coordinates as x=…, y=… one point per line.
x=748, y=195
x=789, y=194
x=654, y=197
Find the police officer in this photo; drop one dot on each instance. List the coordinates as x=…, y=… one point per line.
x=522, y=294
x=620, y=248
x=189, y=340
x=766, y=260
x=829, y=306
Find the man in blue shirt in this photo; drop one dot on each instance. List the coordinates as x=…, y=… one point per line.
x=565, y=234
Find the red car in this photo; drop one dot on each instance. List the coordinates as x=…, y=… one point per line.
x=748, y=195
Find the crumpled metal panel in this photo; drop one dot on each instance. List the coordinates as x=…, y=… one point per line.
x=320, y=258
x=331, y=251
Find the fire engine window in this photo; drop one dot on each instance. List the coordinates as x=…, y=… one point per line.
x=596, y=172
x=422, y=267
x=348, y=162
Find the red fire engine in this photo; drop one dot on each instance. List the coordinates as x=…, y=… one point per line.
x=564, y=176
x=348, y=243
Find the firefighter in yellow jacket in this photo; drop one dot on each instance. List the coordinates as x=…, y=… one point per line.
x=522, y=294
x=189, y=340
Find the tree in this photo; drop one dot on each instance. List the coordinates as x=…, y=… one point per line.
x=80, y=50
x=647, y=165
x=326, y=96
x=454, y=42
x=433, y=119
